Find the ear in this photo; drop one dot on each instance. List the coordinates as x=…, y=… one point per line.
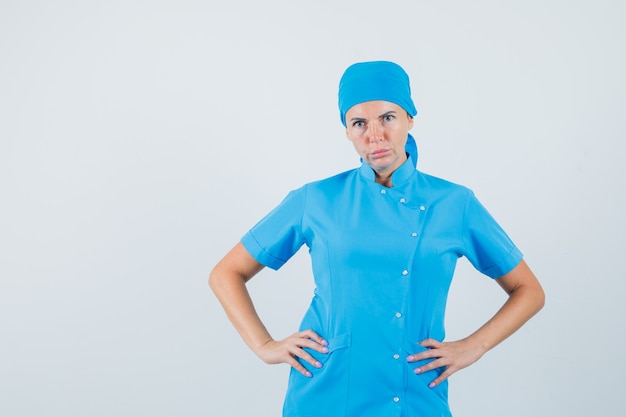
x=410, y=122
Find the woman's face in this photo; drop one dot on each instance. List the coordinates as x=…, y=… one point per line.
x=378, y=130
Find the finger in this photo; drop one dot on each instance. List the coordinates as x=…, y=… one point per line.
x=430, y=343
x=429, y=366
x=310, y=334
x=440, y=379
x=308, y=343
x=302, y=354
x=298, y=367
x=427, y=354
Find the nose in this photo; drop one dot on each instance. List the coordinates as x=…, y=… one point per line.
x=374, y=132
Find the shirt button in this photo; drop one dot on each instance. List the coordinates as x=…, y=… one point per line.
x=396, y=399
x=396, y=356
x=398, y=315
x=405, y=272
x=403, y=200
x=414, y=234
x=383, y=191
x=422, y=208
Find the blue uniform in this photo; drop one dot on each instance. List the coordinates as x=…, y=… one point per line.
x=383, y=259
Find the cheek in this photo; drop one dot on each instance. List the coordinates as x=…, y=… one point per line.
x=359, y=148
x=357, y=141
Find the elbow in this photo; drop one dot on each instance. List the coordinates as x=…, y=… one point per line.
x=222, y=278
x=214, y=279
x=540, y=298
x=531, y=295
x=535, y=298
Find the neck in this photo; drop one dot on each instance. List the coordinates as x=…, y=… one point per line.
x=384, y=179
x=384, y=175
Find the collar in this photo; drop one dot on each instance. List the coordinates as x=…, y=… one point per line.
x=399, y=176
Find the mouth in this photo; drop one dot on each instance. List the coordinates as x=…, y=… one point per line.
x=379, y=153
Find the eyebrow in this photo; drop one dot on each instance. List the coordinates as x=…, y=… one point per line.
x=358, y=119
x=387, y=113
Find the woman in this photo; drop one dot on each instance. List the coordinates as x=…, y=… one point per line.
x=384, y=240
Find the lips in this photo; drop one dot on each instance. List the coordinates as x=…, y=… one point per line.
x=379, y=153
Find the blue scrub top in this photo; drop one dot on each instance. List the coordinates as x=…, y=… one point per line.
x=383, y=259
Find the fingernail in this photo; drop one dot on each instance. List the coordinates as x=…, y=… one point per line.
x=318, y=364
x=409, y=358
x=324, y=342
x=431, y=385
x=325, y=349
x=308, y=374
x=417, y=370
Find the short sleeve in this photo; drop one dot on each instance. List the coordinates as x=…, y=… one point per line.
x=278, y=236
x=486, y=244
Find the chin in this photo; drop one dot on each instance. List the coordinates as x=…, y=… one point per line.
x=381, y=166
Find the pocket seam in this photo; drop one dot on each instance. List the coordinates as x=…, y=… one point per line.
x=338, y=342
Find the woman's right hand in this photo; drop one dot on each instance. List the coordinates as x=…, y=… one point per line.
x=228, y=281
x=290, y=349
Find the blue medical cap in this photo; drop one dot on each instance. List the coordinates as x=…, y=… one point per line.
x=376, y=80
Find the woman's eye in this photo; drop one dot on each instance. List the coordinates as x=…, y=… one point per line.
x=388, y=118
x=358, y=124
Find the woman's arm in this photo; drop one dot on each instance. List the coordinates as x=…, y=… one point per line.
x=526, y=298
x=228, y=282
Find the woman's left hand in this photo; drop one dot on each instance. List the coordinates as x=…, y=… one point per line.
x=453, y=356
x=526, y=297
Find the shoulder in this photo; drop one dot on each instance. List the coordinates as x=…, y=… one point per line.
x=324, y=186
x=332, y=183
x=441, y=187
x=327, y=191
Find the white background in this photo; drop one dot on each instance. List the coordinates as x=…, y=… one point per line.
x=139, y=140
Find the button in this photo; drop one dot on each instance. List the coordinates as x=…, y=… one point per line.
x=414, y=234
x=398, y=315
x=396, y=399
x=405, y=272
x=403, y=200
x=396, y=356
x=383, y=191
x=422, y=208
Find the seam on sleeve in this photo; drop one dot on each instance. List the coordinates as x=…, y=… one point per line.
x=259, y=253
x=506, y=264
x=306, y=194
x=464, y=233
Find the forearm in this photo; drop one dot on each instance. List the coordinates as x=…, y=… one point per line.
x=524, y=301
x=228, y=282
x=235, y=299
x=518, y=309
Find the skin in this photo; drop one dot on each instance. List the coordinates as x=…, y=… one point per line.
x=228, y=281
x=526, y=298
x=378, y=131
